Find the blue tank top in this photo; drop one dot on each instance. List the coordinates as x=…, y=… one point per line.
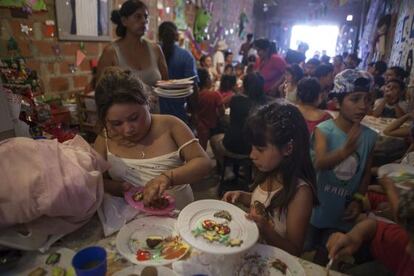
x=336, y=186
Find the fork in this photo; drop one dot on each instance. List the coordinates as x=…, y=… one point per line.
x=328, y=266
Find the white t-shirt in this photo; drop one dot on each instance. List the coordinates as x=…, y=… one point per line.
x=218, y=58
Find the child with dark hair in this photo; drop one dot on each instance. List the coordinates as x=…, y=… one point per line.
x=338, y=64
x=342, y=158
x=395, y=72
x=239, y=72
x=352, y=61
x=377, y=69
x=284, y=193
x=227, y=87
x=309, y=98
x=324, y=73
x=228, y=70
x=392, y=105
x=391, y=244
x=310, y=66
x=210, y=108
x=293, y=75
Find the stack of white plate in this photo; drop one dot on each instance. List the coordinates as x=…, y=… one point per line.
x=174, y=88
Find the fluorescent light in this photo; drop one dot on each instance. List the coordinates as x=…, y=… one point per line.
x=349, y=17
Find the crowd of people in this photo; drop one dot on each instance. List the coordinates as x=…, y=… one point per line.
x=312, y=169
x=298, y=120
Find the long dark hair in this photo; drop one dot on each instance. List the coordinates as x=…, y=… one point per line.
x=127, y=9
x=117, y=86
x=253, y=87
x=281, y=125
x=167, y=33
x=227, y=82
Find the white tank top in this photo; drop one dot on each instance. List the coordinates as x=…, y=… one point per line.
x=139, y=171
x=148, y=75
x=278, y=218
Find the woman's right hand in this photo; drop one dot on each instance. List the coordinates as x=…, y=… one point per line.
x=232, y=196
x=340, y=244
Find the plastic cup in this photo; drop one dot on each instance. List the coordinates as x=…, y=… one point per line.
x=90, y=261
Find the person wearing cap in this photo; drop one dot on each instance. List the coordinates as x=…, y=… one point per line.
x=389, y=243
x=218, y=57
x=342, y=149
x=269, y=64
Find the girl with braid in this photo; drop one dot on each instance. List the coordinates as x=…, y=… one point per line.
x=284, y=194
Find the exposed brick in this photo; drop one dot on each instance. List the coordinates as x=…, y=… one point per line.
x=85, y=66
x=69, y=48
x=64, y=66
x=44, y=47
x=37, y=31
x=33, y=64
x=57, y=84
x=91, y=48
x=80, y=81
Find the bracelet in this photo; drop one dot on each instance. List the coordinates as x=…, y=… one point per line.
x=363, y=200
x=170, y=178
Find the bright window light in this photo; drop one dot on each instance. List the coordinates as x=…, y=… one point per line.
x=320, y=38
x=349, y=17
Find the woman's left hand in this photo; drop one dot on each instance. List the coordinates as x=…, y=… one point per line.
x=155, y=188
x=352, y=211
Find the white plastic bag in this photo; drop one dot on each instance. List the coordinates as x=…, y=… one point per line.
x=114, y=213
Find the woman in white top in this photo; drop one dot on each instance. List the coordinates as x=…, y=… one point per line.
x=158, y=152
x=132, y=51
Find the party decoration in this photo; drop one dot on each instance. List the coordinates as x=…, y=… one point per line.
x=27, y=5
x=49, y=29
x=180, y=15
x=57, y=51
x=201, y=23
x=72, y=68
x=243, y=20
x=80, y=57
x=25, y=29
x=12, y=44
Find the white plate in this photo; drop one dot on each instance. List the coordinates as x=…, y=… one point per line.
x=139, y=230
x=168, y=95
x=173, y=91
x=393, y=170
x=161, y=271
x=241, y=228
x=267, y=254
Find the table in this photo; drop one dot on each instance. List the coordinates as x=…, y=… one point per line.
x=92, y=234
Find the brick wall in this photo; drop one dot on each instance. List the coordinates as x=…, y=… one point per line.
x=55, y=72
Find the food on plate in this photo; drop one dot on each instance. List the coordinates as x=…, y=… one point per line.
x=143, y=255
x=253, y=265
x=209, y=224
x=159, y=203
x=153, y=241
x=38, y=272
x=223, y=214
x=213, y=231
x=168, y=248
x=53, y=258
x=402, y=176
x=138, y=196
x=279, y=265
x=58, y=271
x=149, y=271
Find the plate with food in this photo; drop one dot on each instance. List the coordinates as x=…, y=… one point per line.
x=146, y=271
x=216, y=227
x=401, y=174
x=151, y=241
x=159, y=207
x=267, y=260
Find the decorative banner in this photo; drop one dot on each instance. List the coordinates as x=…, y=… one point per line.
x=49, y=29
x=180, y=15
x=243, y=20
x=35, y=5
x=201, y=24
x=80, y=57
x=403, y=46
x=12, y=44
x=25, y=29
